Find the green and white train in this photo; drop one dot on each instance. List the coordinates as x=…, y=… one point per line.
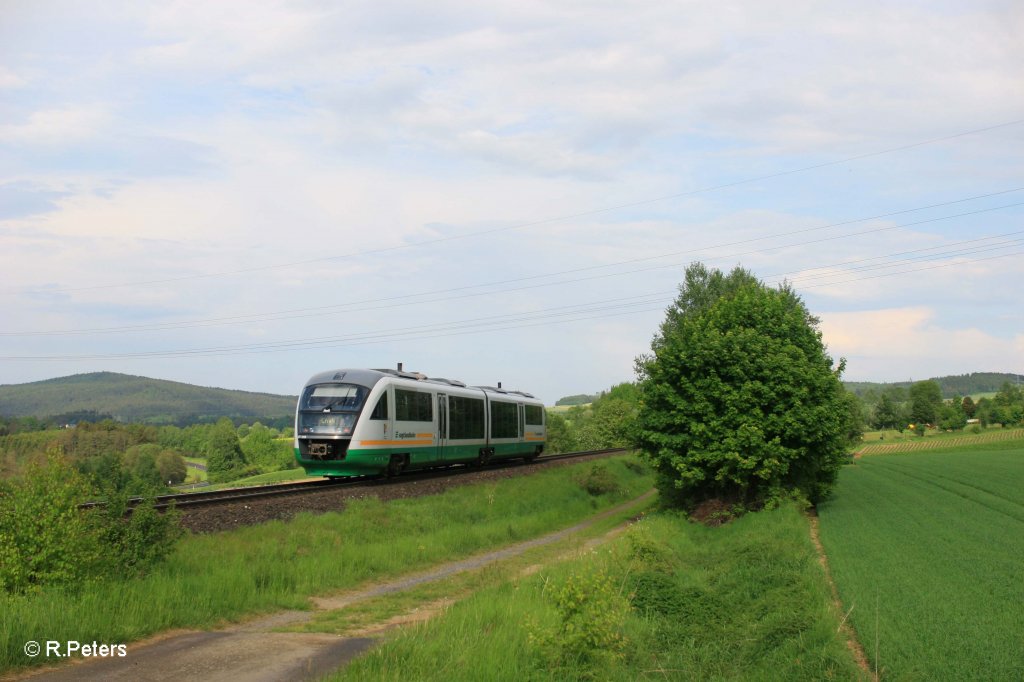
x=364, y=422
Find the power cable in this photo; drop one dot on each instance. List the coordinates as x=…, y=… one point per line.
x=297, y=313
x=450, y=329
x=523, y=225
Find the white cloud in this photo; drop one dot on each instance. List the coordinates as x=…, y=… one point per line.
x=915, y=341
x=52, y=127
x=9, y=79
x=283, y=131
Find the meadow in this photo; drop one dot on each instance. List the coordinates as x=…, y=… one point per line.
x=282, y=476
x=926, y=549
x=210, y=579
x=669, y=599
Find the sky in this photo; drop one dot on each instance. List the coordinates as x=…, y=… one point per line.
x=242, y=194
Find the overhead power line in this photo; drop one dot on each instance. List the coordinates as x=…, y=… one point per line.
x=522, y=225
x=907, y=272
x=516, y=321
x=418, y=298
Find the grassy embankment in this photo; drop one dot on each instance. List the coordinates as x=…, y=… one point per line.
x=926, y=549
x=667, y=600
x=282, y=476
x=259, y=569
x=192, y=474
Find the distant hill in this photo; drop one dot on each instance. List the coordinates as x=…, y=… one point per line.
x=581, y=399
x=137, y=399
x=953, y=385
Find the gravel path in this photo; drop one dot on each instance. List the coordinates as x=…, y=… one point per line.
x=254, y=652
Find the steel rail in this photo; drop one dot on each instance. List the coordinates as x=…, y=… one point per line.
x=230, y=495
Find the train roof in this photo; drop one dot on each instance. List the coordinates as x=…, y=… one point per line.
x=360, y=377
x=370, y=377
x=505, y=391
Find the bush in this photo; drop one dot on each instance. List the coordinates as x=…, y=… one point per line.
x=592, y=613
x=45, y=539
x=172, y=467
x=264, y=451
x=224, y=457
x=599, y=481
x=134, y=542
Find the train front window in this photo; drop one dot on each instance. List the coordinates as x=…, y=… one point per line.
x=334, y=398
x=330, y=409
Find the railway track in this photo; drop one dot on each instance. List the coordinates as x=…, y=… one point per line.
x=213, y=498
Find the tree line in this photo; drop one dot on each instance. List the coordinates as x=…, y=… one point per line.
x=606, y=422
x=922, y=405
x=952, y=385
x=139, y=458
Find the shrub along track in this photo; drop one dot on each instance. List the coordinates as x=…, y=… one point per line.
x=226, y=514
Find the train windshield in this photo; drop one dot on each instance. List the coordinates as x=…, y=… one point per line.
x=334, y=398
x=330, y=409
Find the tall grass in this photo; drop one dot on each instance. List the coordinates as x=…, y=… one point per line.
x=927, y=549
x=278, y=565
x=669, y=600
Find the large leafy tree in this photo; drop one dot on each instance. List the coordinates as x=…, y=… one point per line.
x=925, y=402
x=968, y=406
x=1010, y=401
x=740, y=401
x=952, y=416
x=889, y=412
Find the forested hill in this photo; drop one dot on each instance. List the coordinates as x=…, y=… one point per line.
x=136, y=399
x=953, y=385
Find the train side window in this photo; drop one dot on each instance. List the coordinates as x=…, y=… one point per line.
x=534, y=415
x=413, y=406
x=380, y=412
x=504, y=420
x=465, y=417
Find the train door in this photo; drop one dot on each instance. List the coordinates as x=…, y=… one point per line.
x=442, y=425
x=380, y=419
x=522, y=422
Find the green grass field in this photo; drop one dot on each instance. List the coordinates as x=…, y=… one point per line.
x=279, y=565
x=272, y=477
x=668, y=600
x=283, y=476
x=927, y=549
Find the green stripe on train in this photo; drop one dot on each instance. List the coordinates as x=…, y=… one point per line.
x=366, y=461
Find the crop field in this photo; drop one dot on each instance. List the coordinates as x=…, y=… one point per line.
x=927, y=550
x=889, y=442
